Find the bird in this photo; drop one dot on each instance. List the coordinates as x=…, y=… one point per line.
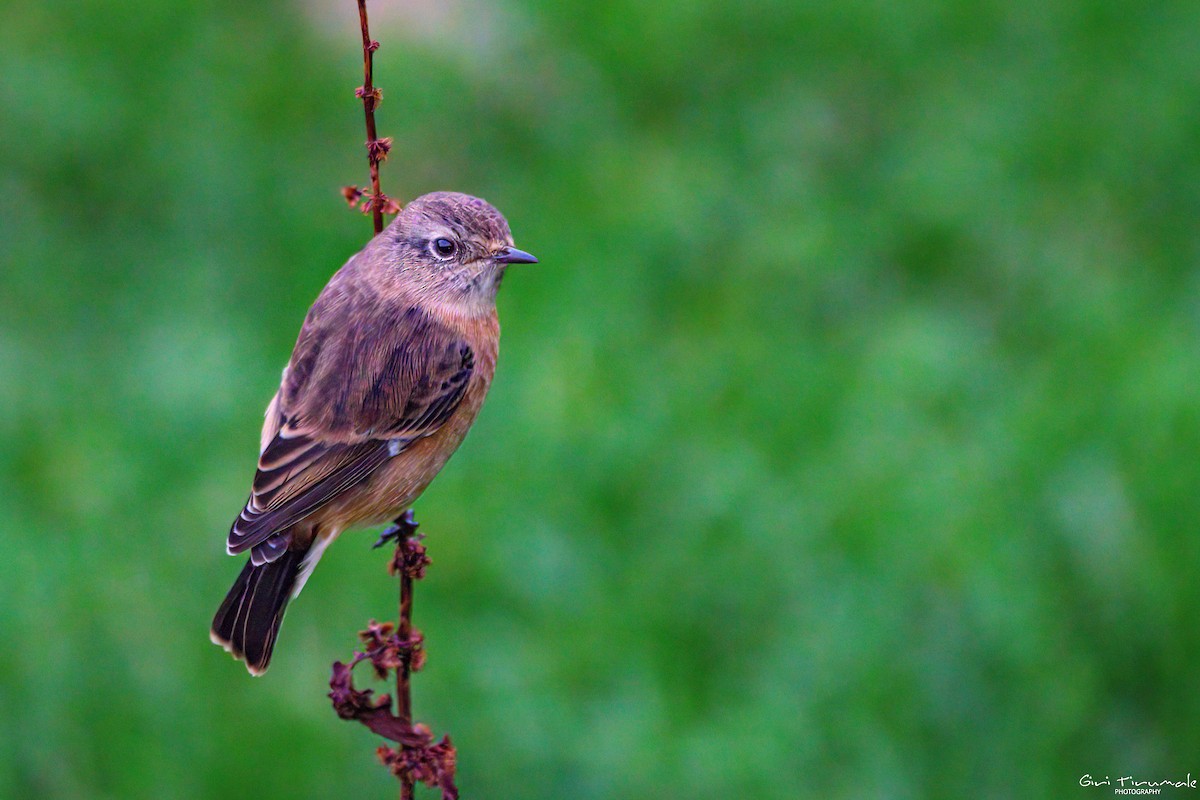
x=391, y=366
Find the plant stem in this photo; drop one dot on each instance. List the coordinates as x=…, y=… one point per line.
x=403, y=689
x=370, y=99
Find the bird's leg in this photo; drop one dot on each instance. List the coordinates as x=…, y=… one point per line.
x=404, y=526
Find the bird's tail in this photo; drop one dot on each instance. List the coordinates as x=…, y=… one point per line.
x=248, y=621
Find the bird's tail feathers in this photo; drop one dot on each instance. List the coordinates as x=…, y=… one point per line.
x=247, y=623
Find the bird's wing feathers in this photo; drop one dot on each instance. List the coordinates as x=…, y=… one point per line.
x=362, y=385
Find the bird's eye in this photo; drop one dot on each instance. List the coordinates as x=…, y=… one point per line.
x=443, y=247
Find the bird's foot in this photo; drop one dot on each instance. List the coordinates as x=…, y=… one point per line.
x=404, y=526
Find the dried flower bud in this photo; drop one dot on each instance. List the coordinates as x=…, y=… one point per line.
x=371, y=99
x=377, y=149
x=376, y=633
x=389, y=205
x=416, y=654
x=386, y=204
x=410, y=558
x=431, y=764
x=352, y=195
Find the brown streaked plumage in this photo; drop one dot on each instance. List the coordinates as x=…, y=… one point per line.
x=391, y=366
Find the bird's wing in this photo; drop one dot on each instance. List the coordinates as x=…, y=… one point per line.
x=359, y=389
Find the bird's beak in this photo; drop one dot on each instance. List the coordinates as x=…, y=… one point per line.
x=511, y=255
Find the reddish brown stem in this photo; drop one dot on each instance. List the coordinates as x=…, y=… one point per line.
x=416, y=757
x=403, y=689
x=370, y=100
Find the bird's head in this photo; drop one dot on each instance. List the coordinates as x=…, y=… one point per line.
x=452, y=248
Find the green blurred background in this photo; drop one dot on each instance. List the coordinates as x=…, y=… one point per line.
x=844, y=443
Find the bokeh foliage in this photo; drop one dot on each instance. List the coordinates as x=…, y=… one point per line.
x=844, y=444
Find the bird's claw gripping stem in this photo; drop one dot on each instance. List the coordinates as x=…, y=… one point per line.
x=405, y=525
